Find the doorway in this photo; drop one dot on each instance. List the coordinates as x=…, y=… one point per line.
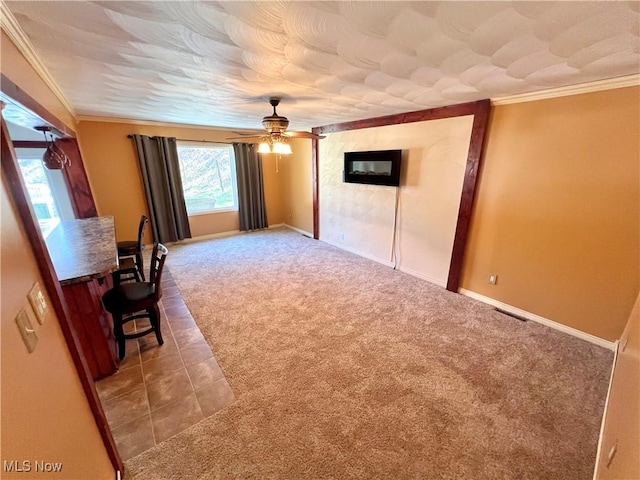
x=19, y=109
x=47, y=189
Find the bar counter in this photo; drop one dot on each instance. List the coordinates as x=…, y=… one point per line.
x=84, y=253
x=83, y=249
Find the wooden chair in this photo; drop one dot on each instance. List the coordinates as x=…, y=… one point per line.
x=133, y=249
x=130, y=301
x=127, y=272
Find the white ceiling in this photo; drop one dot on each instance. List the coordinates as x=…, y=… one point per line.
x=217, y=63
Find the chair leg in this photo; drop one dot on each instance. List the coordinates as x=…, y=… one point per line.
x=118, y=332
x=140, y=266
x=154, y=319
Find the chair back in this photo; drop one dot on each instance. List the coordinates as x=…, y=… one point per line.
x=158, y=257
x=143, y=223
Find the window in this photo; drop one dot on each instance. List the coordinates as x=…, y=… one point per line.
x=47, y=190
x=208, y=173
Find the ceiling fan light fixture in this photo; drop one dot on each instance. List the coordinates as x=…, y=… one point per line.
x=264, y=147
x=282, y=148
x=275, y=143
x=277, y=138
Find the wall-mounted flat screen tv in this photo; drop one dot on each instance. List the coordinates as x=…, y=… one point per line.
x=380, y=167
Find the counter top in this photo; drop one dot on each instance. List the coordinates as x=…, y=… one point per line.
x=83, y=249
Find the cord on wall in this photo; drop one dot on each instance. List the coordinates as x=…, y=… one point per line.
x=394, y=240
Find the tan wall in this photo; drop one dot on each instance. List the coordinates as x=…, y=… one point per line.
x=622, y=418
x=558, y=209
x=116, y=182
x=273, y=195
x=45, y=414
x=297, y=186
x=360, y=218
x=16, y=68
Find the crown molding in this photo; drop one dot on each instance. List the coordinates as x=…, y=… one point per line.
x=132, y=121
x=589, y=87
x=13, y=29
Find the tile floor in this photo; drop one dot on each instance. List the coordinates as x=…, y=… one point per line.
x=160, y=391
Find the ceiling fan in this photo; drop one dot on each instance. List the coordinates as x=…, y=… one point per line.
x=276, y=140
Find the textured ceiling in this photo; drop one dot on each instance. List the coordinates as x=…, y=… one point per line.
x=216, y=63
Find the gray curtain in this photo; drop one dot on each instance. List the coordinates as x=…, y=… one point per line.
x=158, y=157
x=251, y=207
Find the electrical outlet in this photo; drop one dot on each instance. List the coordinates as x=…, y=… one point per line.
x=27, y=332
x=493, y=279
x=38, y=303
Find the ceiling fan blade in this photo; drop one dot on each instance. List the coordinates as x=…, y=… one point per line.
x=255, y=137
x=247, y=134
x=303, y=135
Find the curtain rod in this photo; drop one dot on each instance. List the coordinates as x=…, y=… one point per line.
x=203, y=141
x=200, y=141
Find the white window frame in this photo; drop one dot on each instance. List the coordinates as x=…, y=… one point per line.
x=57, y=187
x=234, y=177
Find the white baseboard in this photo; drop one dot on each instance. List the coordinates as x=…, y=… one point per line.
x=229, y=233
x=544, y=321
x=387, y=263
x=299, y=230
x=359, y=253
x=422, y=276
x=210, y=236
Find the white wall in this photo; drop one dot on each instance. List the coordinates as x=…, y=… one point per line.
x=360, y=218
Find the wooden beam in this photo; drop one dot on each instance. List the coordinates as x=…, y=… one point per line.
x=410, y=117
x=76, y=180
x=474, y=157
x=23, y=106
x=29, y=144
x=315, y=186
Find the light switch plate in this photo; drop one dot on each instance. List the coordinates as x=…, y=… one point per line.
x=27, y=332
x=38, y=303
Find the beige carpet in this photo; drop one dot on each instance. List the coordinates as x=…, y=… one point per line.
x=344, y=368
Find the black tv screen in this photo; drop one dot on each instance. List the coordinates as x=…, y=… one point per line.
x=379, y=167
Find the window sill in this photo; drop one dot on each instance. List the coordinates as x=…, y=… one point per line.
x=213, y=212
